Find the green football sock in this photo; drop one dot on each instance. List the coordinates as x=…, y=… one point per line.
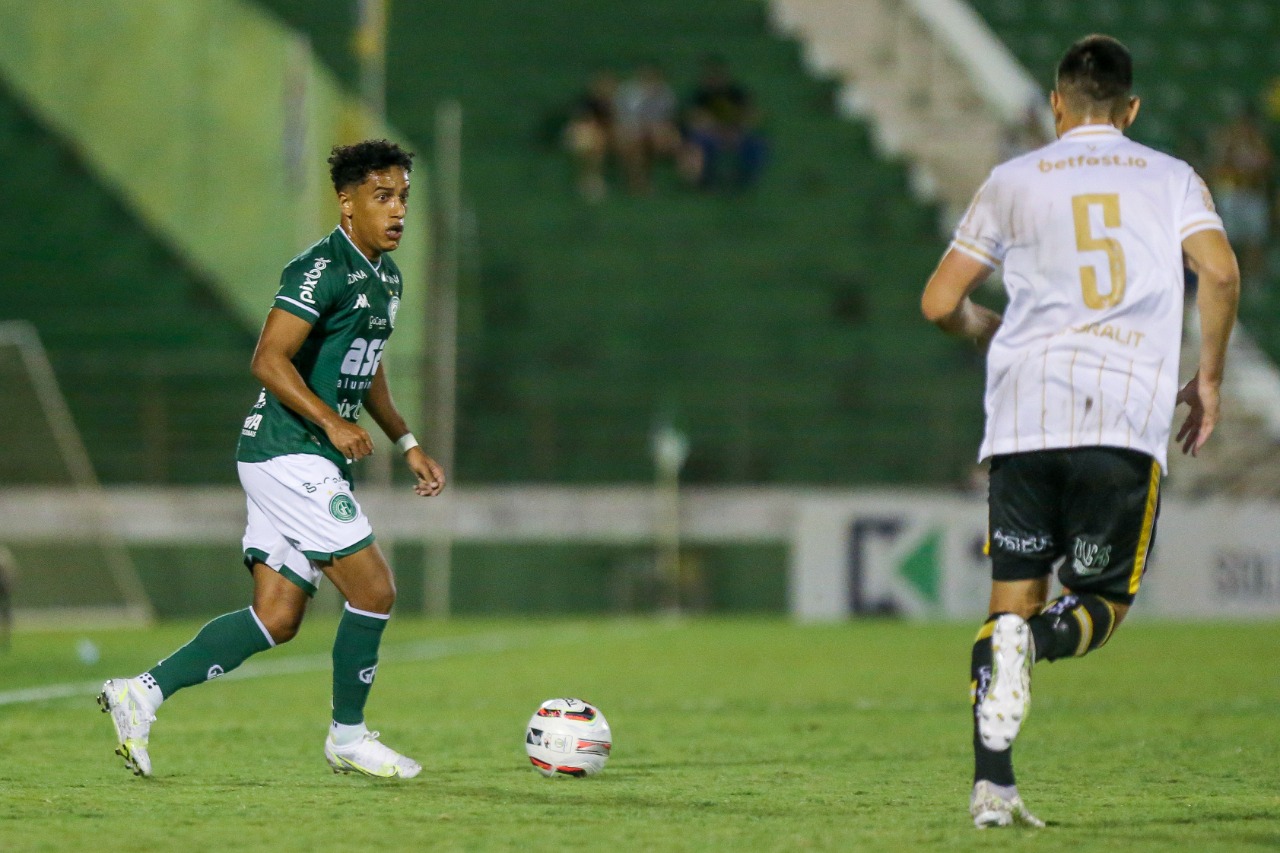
x=355, y=662
x=220, y=646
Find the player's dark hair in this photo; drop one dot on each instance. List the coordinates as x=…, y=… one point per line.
x=1098, y=71
x=349, y=165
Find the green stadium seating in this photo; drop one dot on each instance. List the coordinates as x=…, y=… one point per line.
x=154, y=368
x=779, y=327
x=1196, y=62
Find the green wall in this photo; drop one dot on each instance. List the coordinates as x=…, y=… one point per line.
x=213, y=121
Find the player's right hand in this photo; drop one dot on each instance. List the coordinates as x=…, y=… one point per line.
x=352, y=441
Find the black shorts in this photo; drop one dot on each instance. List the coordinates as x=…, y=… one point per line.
x=1089, y=510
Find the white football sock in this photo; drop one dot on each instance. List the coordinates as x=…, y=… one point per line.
x=347, y=735
x=145, y=686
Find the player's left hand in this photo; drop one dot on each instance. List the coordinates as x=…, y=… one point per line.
x=1204, y=400
x=429, y=473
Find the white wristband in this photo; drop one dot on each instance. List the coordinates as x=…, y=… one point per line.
x=406, y=442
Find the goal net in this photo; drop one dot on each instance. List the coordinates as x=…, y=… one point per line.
x=69, y=577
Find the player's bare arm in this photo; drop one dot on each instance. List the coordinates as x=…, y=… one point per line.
x=1211, y=258
x=946, y=301
x=380, y=405
x=282, y=336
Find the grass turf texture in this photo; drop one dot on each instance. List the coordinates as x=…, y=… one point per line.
x=742, y=735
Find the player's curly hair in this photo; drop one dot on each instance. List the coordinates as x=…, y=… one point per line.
x=349, y=165
x=1097, y=69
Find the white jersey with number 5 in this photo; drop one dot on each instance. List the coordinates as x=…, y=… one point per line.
x=1090, y=230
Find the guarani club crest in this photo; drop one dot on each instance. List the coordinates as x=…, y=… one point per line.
x=342, y=507
x=393, y=308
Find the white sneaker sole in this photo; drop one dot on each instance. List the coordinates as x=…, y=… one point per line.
x=1008, y=696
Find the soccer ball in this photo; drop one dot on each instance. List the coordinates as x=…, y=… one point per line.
x=569, y=737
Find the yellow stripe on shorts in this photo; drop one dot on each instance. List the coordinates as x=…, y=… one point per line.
x=1148, y=523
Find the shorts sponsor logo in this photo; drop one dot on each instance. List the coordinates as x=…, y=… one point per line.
x=367, y=674
x=307, y=291
x=393, y=307
x=343, y=508
x=310, y=488
x=1018, y=542
x=1089, y=558
x=214, y=672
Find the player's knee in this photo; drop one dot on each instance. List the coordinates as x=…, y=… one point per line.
x=281, y=623
x=375, y=599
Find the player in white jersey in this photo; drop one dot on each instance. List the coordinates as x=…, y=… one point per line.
x=1093, y=231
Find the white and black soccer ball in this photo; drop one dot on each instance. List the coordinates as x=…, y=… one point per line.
x=568, y=737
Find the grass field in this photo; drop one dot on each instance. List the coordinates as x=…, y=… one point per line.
x=729, y=735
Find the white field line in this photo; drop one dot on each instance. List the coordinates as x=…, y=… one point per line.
x=416, y=651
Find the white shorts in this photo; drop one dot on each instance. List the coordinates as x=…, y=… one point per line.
x=301, y=513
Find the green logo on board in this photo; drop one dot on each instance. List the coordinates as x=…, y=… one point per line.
x=342, y=507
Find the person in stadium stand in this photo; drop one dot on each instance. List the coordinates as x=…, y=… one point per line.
x=589, y=135
x=1082, y=380
x=724, y=146
x=645, y=129
x=1241, y=178
x=319, y=359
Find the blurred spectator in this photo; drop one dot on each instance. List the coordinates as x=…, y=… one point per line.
x=1028, y=134
x=724, y=146
x=645, y=124
x=589, y=135
x=1241, y=177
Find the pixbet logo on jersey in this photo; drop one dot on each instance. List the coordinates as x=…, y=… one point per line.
x=307, y=291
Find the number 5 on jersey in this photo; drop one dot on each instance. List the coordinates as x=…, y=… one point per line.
x=1087, y=242
x=363, y=357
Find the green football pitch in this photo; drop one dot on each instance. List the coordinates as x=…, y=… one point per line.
x=736, y=735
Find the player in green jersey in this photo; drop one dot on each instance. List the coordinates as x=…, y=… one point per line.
x=319, y=358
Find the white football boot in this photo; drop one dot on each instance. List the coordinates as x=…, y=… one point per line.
x=999, y=805
x=132, y=716
x=369, y=757
x=1002, y=710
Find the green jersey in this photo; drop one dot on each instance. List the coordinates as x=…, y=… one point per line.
x=351, y=305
